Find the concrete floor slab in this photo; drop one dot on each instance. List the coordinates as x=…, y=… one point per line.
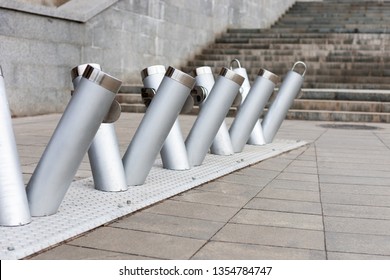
x=238, y=251
x=289, y=206
x=276, y=236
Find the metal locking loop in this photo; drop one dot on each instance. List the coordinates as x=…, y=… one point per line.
x=235, y=60
x=302, y=63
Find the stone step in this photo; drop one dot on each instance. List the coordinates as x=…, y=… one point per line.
x=341, y=105
x=133, y=108
x=129, y=98
x=338, y=116
x=345, y=94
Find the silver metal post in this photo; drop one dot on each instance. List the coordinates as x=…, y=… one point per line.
x=173, y=153
x=211, y=115
x=221, y=144
x=256, y=137
x=252, y=107
x=104, y=155
x=70, y=141
x=277, y=112
x=156, y=125
x=14, y=210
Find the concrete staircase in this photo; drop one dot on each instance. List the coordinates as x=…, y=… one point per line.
x=344, y=44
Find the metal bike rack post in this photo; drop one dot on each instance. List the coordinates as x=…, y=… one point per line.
x=104, y=155
x=256, y=137
x=70, y=141
x=14, y=210
x=221, y=145
x=252, y=107
x=173, y=153
x=277, y=112
x=156, y=124
x=211, y=115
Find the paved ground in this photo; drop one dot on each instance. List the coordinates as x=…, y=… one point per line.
x=327, y=200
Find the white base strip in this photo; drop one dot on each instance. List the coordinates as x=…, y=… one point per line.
x=85, y=208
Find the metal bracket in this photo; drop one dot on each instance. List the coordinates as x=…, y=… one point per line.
x=147, y=95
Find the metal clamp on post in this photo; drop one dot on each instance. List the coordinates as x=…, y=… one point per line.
x=278, y=110
x=76, y=129
x=104, y=155
x=14, y=209
x=199, y=94
x=147, y=95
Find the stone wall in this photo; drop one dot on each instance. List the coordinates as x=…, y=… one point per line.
x=37, y=51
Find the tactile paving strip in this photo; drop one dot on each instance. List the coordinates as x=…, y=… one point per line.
x=85, y=208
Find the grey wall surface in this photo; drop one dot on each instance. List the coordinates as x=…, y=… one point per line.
x=38, y=52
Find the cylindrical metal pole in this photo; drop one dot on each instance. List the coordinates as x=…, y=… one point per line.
x=156, y=125
x=70, y=141
x=221, y=144
x=14, y=210
x=106, y=161
x=252, y=107
x=211, y=115
x=277, y=112
x=104, y=155
x=256, y=137
x=173, y=152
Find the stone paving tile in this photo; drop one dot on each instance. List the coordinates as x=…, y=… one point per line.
x=229, y=189
x=294, y=185
x=276, y=236
x=339, y=179
x=303, y=163
x=297, y=195
x=278, y=219
x=172, y=225
x=349, y=256
x=354, y=172
x=70, y=252
x=298, y=176
x=273, y=164
x=266, y=174
x=247, y=180
x=140, y=243
x=356, y=189
x=237, y=251
x=193, y=210
x=356, y=225
x=353, y=165
x=285, y=206
x=301, y=169
x=355, y=199
x=358, y=243
x=214, y=198
x=356, y=211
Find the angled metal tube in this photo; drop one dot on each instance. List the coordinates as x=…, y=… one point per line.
x=156, y=124
x=211, y=115
x=252, y=107
x=173, y=153
x=104, y=155
x=221, y=144
x=70, y=141
x=256, y=137
x=277, y=112
x=14, y=210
